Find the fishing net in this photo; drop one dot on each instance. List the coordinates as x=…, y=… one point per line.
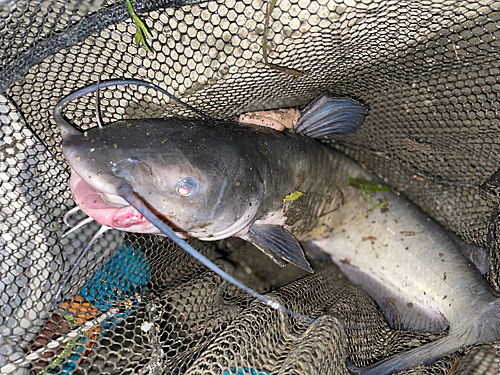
x=427, y=71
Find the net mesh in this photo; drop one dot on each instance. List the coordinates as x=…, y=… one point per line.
x=427, y=70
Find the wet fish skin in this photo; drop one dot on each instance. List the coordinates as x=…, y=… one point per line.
x=209, y=181
x=241, y=170
x=419, y=278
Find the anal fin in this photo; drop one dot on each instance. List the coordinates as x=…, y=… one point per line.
x=279, y=244
x=421, y=356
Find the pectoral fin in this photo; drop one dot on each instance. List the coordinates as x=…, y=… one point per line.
x=279, y=244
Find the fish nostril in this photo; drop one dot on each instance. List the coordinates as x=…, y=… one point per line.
x=120, y=168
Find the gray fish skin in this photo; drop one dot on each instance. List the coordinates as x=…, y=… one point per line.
x=420, y=279
x=245, y=172
x=403, y=249
x=242, y=171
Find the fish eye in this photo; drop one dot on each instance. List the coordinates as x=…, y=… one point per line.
x=187, y=186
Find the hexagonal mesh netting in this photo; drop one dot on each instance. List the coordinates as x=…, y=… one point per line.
x=429, y=73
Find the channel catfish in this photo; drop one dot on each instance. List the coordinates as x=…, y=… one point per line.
x=213, y=180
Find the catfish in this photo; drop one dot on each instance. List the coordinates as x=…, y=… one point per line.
x=213, y=180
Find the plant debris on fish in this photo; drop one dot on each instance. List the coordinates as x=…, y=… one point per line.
x=293, y=196
x=365, y=185
x=359, y=183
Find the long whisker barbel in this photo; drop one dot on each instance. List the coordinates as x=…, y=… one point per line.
x=58, y=117
x=98, y=234
x=100, y=85
x=126, y=192
x=69, y=214
x=97, y=109
x=78, y=226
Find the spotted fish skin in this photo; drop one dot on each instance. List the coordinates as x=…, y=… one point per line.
x=419, y=278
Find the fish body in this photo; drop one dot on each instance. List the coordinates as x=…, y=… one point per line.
x=419, y=278
x=216, y=180
x=415, y=262
x=242, y=176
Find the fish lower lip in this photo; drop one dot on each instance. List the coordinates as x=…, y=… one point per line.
x=127, y=217
x=97, y=205
x=89, y=197
x=114, y=200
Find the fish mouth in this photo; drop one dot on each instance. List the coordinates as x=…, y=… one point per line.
x=108, y=209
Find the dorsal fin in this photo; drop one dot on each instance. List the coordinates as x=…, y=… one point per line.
x=328, y=116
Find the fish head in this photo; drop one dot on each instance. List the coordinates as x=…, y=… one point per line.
x=185, y=172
